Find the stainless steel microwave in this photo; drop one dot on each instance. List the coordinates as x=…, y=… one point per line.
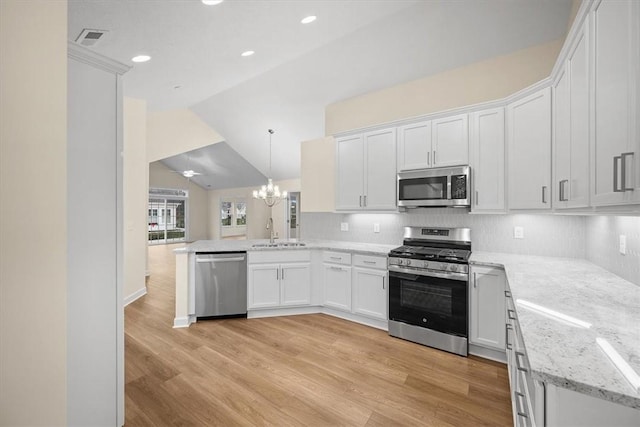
x=435, y=187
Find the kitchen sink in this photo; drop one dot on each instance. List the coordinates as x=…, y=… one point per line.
x=279, y=245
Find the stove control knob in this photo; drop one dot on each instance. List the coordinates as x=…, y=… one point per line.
x=408, y=262
x=400, y=261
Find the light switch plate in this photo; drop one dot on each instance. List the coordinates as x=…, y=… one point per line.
x=518, y=232
x=344, y=226
x=376, y=228
x=623, y=244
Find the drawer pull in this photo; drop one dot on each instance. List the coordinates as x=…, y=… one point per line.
x=519, y=405
x=507, y=294
x=369, y=262
x=336, y=268
x=511, y=314
x=519, y=365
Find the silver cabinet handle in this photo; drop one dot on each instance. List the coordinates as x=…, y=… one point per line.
x=520, y=366
x=511, y=314
x=507, y=294
x=616, y=189
x=335, y=268
x=335, y=257
x=563, y=193
x=477, y=198
x=368, y=262
x=278, y=274
x=365, y=200
x=544, y=194
x=519, y=405
x=474, y=281
x=382, y=282
x=623, y=158
x=282, y=274
x=434, y=157
x=508, y=344
x=360, y=201
x=428, y=158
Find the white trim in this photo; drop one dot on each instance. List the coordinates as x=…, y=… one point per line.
x=184, y=322
x=88, y=56
x=488, y=353
x=134, y=296
x=276, y=312
x=357, y=318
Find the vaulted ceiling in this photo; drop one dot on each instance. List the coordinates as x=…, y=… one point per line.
x=353, y=47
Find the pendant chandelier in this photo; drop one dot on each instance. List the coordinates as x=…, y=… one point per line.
x=270, y=193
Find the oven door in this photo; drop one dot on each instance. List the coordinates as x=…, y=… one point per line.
x=437, y=303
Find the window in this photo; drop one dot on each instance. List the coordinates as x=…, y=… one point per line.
x=226, y=212
x=241, y=213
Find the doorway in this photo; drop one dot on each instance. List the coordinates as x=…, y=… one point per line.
x=167, y=217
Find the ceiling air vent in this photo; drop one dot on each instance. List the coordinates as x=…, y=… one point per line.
x=90, y=37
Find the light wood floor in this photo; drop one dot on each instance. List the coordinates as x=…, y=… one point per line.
x=312, y=370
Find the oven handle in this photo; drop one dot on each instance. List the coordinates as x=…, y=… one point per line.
x=394, y=271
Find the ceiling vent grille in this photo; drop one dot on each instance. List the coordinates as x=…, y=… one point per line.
x=90, y=37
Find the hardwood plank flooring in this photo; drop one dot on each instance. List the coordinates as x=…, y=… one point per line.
x=310, y=370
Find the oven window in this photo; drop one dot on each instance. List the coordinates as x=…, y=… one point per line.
x=433, y=188
x=433, y=299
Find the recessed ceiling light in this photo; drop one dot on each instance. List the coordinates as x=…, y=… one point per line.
x=308, y=19
x=248, y=53
x=212, y=2
x=141, y=58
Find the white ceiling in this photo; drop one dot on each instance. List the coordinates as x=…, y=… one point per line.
x=354, y=47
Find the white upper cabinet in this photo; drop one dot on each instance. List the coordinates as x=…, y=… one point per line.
x=571, y=128
x=450, y=141
x=529, y=151
x=437, y=143
x=615, y=133
x=486, y=146
x=366, y=171
x=350, y=170
x=414, y=146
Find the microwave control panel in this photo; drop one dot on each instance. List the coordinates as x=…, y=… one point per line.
x=458, y=186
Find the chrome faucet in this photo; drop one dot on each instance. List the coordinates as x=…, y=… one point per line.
x=270, y=228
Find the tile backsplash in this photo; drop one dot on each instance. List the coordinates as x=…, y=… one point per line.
x=595, y=238
x=549, y=235
x=603, y=244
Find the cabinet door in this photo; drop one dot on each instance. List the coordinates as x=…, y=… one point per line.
x=561, y=140
x=487, y=312
x=529, y=148
x=370, y=292
x=414, y=146
x=337, y=287
x=614, y=26
x=487, y=159
x=380, y=170
x=295, y=284
x=450, y=141
x=577, y=193
x=350, y=173
x=263, y=286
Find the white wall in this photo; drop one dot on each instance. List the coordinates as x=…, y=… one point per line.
x=135, y=191
x=33, y=212
x=177, y=131
x=198, y=207
x=487, y=80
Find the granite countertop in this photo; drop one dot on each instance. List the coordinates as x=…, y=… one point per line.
x=247, y=245
x=568, y=355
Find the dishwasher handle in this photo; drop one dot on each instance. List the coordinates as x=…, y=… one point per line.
x=209, y=260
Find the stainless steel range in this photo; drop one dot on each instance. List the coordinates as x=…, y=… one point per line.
x=428, y=288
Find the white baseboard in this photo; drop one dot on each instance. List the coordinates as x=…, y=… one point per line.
x=183, y=322
x=363, y=320
x=134, y=296
x=488, y=353
x=275, y=312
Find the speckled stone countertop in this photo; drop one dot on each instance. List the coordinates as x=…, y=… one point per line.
x=247, y=245
x=564, y=354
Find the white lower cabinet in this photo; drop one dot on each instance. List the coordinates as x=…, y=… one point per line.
x=487, y=307
x=370, y=286
x=278, y=279
x=336, y=280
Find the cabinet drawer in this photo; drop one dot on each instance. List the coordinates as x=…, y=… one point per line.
x=336, y=257
x=369, y=261
x=269, y=256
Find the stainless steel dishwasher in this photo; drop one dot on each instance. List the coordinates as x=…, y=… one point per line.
x=221, y=284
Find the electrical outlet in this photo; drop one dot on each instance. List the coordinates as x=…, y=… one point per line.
x=344, y=226
x=518, y=232
x=623, y=244
x=376, y=228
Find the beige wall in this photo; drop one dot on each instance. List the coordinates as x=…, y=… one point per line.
x=33, y=212
x=317, y=175
x=198, y=208
x=135, y=176
x=177, y=131
x=487, y=80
